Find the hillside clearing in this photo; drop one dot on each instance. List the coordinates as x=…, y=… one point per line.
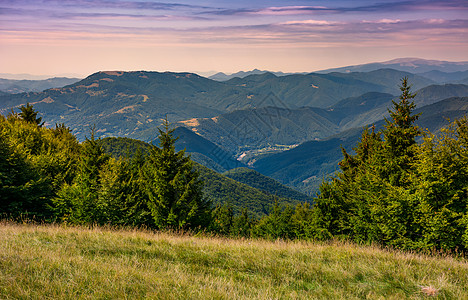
x=56, y=262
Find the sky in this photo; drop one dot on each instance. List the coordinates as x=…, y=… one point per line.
x=65, y=37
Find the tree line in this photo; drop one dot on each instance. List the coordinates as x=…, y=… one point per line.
x=392, y=189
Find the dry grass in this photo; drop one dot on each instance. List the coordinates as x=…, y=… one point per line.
x=54, y=262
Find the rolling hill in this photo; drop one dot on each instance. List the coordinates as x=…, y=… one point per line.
x=201, y=150
x=266, y=184
x=222, y=189
x=205, y=152
x=434, y=93
x=118, y=103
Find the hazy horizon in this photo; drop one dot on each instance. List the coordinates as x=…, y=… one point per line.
x=26, y=76
x=204, y=36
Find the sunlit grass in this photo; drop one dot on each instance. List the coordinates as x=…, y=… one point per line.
x=56, y=262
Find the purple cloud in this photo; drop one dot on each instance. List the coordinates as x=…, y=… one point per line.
x=383, y=7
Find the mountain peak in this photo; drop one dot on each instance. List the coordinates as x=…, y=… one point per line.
x=112, y=73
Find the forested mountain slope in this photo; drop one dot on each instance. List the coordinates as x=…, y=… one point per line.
x=132, y=104
x=266, y=184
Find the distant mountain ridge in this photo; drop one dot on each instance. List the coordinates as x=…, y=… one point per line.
x=12, y=86
x=132, y=104
x=220, y=76
x=412, y=65
x=447, y=77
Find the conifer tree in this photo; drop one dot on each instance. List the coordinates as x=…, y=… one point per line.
x=130, y=191
x=30, y=115
x=79, y=202
x=277, y=224
x=222, y=218
x=242, y=224
x=34, y=164
x=173, y=187
x=367, y=201
x=400, y=134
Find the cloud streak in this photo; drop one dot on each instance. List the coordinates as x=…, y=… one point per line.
x=292, y=32
x=383, y=7
x=100, y=4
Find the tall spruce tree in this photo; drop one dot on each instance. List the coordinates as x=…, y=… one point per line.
x=368, y=200
x=400, y=135
x=174, y=189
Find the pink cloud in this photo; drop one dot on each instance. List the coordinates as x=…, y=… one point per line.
x=308, y=22
x=383, y=21
x=288, y=10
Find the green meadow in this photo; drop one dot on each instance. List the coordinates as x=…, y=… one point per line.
x=59, y=262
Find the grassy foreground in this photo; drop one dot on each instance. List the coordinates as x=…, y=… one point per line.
x=54, y=262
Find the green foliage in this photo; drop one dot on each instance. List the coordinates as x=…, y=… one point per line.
x=225, y=222
x=242, y=224
x=367, y=200
x=131, y=192
x=301, y=222
x=400, y=137
x=120, y=147
x=79, y=202
x=390, y=190
x=441, y=188
x=395, y=192
x=174, y=189
x=277, y=224
x=35, y=162
x=221, y=189
x=217, y=187
x=222, y=219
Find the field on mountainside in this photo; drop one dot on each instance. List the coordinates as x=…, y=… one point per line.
x=50, y=261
